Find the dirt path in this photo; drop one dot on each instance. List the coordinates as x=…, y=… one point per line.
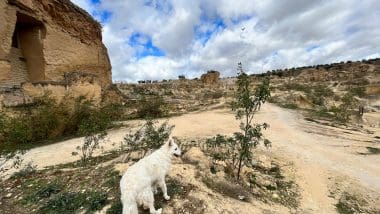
x=319, y=153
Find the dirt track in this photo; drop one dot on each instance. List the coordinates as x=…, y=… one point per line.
x=321, y=155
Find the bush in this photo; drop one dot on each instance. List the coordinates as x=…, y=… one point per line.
x=43, y=121
x=96, y=200
x=91, y=143
x=316, y=94
x=323, y=112
x=48, y=120
x=297, y=87
x=289, y=105
x=153, y=107
x=357, y=91
x=148, y=137
x=319, y=93
x=68, y=202
x=44, y=191
x=343, y=112
x=17, y=130
x=87, y=118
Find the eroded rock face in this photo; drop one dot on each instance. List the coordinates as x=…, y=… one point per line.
x=211, y=77
x=46, y=39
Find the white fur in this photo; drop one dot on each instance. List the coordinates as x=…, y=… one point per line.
x=136, y=183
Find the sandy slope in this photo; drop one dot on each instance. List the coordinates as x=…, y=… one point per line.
x=320, y=155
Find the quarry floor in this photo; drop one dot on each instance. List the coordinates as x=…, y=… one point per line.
x=324, y=158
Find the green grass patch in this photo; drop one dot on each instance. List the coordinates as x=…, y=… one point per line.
x=44, y=191
x=116, y=208
x=73, y=202
x=289, y=105
x=373, y=150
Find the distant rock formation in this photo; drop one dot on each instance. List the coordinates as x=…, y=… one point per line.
x=211, y=77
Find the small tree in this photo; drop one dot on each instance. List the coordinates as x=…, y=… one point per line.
x=247, y=103
x=148, y=137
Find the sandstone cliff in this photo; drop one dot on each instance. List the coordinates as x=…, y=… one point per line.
x=44, y=44
x=43, y=40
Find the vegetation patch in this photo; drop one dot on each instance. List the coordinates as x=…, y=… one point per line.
x=151, y=107
x=72, y=202
x=359, y=91
x=48, y=121
x=148, y=137
x=176, y=190
x=351, y=204
x=45, y=191
x=116, y=208
x=268, y=184
x=191, y=205
x=229, y=189
x=289, y=105
x=28, y=170
x=373, y=150
x=84, y=190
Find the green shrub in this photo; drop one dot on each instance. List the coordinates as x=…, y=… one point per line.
x=45, y=191
x=96, y=200
x=149, y=137
x=297, y=87
x=67, y=202
x=343, y=111
x=319, y=93
x=152, y=107
x=18, y=130
x=340, y=113
x=48, y=120
x=357, y=91
x=91, y=142
x=323, y=112
x=86, y=118
x=72, y=202
x=289, y=105
x=322, y=91
x=43, y=121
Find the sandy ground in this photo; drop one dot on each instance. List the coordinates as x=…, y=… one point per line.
x=321, y=155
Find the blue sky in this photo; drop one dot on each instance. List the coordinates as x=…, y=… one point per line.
x=161, y=39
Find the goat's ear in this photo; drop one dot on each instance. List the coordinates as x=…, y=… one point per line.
x=170, y=142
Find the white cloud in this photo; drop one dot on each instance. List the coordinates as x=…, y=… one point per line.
x=149, y=68
x=263, y=35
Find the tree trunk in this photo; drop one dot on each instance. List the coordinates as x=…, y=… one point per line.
x=240, y=161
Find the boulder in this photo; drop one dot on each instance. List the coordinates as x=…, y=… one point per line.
x=211, y=77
